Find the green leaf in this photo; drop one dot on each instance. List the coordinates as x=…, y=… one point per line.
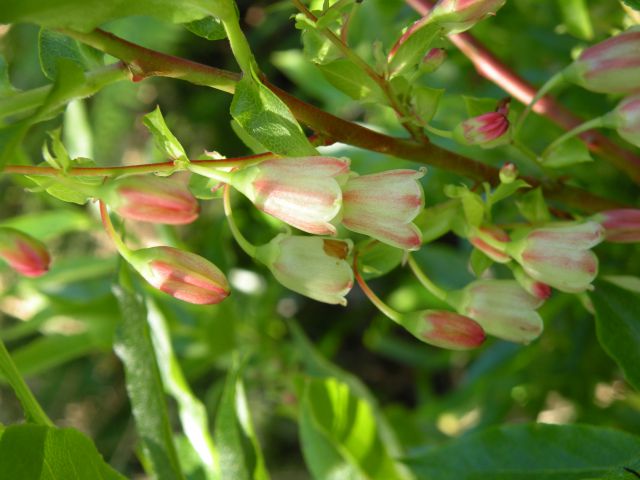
x=165, y=141
x=437, y=220
x=425, y=101
x=85, y=15
x=350, y=79
x=76, y=190
x=6, y=88
x=340, y=438
x=134, y=348
x=479, y=262
x=53, y=46
x=575, y=15
x=505, y=190
x=472, y=204
x=240, y=454
x=210, y=28
x=533, y=206
x=411, y=52
x=635, y=4
x=317, y=48
x=34, y=452
x=268, y=120
x=376, y=259
x=618, y=326
x=569, y=152
x=47, y=225
x=477, y=106
x=529, y=452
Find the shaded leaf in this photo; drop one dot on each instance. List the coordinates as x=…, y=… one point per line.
x=165, y=141
x=350, y=79
x=210, y=28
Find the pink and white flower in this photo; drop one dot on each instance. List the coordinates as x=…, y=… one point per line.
x=620, y=225
x=444, y=329
x=384, y=205
x=25, y=254
x=492, y=241
x=626, y=119
x=303, y=192
x=485, y=129
x=459, y=15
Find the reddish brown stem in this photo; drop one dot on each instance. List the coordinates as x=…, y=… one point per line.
x=494, y=70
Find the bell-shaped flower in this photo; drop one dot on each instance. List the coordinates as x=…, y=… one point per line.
x=492, y=241
x=384, y=205
x=152, y=199
x=560, y=255
x=315, y=267
x=487, y=130
x=456, y=16
x=25, y=254
x=626, y=119
x=443, y=329
x=611, y=66
x=303, y=192
x=501, y=307
x=183, y=275
x=620, y=225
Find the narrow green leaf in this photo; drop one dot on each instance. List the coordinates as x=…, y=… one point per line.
x=479, y=262
x=570, y=152
x=35, y=452
x=350, y=79
x=618, y=326
x=267, y=119
x=529, y=452
x=134, y=347
x=575, y=15
x=165, y=141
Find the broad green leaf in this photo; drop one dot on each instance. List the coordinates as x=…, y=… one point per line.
x=437, y=220
x=165, y=141
x=376, y=259
x=624, y=472
x=575, y=15
x=618, y=326
x=425, y=101
x=35, y=452
x=477, y=106
x=635, y=4
x=570, y=152
x=210, y=28
x=529, y=452
x=267, y=119
x=239, y=451
x=85, y=15
x=252, y=144
x=411, y=52
x=49, y=224
x=317, y=48
x=76, y=190
x=193, y=415
x=52, y=46
x=479, y=262
x=134, y=348
x=533, y=206
x=339, y=435
x=350, y=79
x=472, y=204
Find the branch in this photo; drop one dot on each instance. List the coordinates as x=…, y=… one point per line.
x=494, y=70
x=144, y=62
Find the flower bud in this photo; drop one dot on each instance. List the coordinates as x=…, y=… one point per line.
x=626, y=119
x=485, y=130
x=433, y=59
x=621, y=225
x=492, y=241
x=183, y=275
x=444, y=329
x=537, y=289
x=303, y=192
x=508, y=173
x=315, y=267
x=560, y=256
x=25, y=254
x=384, y=205
x=152, y=199
x=611, y=66
x=456, y=16
x=502, y=308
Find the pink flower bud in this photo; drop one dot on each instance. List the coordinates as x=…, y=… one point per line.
x=303, y=192
x=560, y=256
x=25, y=254
x=620, y=226
x=482, y=130
x=537, y=289
x=152, y=199
x=492, y=241
x=611, y=66
x=183, y=275
x=456, y=16
x=502, y=308
x=312, y=266
x=384, y=205
x=626, y=119
x=433, y=59
x=444, y=329
x=508, y=173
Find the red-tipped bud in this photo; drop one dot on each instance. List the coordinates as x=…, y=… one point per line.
x=620, y=226
x=183, y=275
x=560, y=255
x=25, y=254
x=456, y=16
x=433, y=59
x=152, y=199
x=534, y=287
x=508, y=173
x=486, y=130
x=626, y=119
x=444, y=329
x=611, y=66
x=384, y=205
x=492, y=241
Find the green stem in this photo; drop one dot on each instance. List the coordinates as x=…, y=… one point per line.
x=220, y=175
x=439, y=132
x=111, y=231
x=438, y=292
x=380, y=305
x=30, y=405
x=553, y=82
x=246, y=245
x=588, y=125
